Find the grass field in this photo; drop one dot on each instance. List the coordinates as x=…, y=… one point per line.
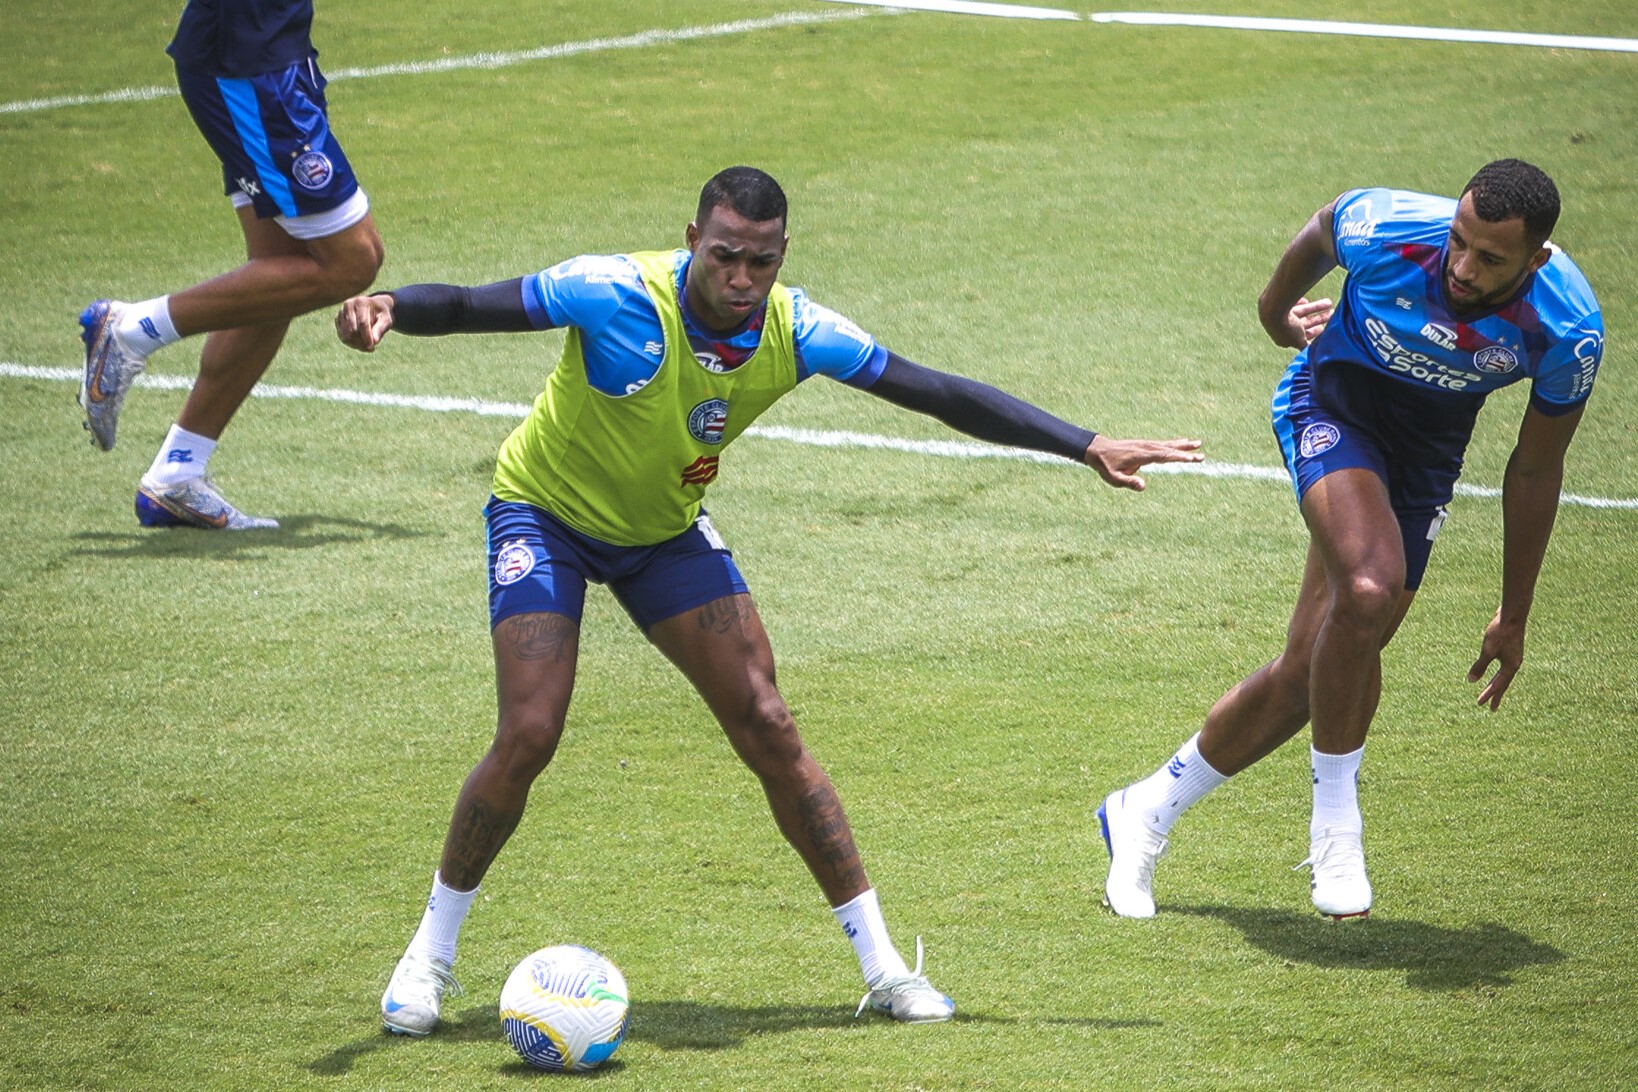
x=228, y=761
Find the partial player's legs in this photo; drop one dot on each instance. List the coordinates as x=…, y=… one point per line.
x=1339, y=611
x=535, y=656
x=723, y=650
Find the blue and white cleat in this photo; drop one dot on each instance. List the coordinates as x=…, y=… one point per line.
x=1134, y=849
x=193, y=503
x=110, y=369
x=909, y=999
x=1337, y=883
x=415, y=994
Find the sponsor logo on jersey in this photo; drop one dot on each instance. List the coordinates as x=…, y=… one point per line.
x=514, y=562
x=1403, y=304
x=1495, y=359
x=711, y=362
x=1588, y=352
x=1318, y=439
x=1442, y=336
x=654, y=348
x=702, y=471
x=1397, y=358
x=707, y=420
x=312, y=170
x=1357, y=222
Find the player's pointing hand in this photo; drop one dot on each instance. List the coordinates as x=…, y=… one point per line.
x=1117, y=461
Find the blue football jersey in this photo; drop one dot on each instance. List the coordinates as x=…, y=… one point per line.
x=1393, y=317
x=603, y=296
x=241, y=38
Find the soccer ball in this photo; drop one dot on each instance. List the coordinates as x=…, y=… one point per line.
x=564, y=1008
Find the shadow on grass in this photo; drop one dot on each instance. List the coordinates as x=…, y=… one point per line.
x=293, y=533
x=672, y=1025
x=1433, y=957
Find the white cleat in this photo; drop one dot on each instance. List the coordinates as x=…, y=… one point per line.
x=1133, y=850
x=909, y=999
x=415, y=994
x=1337, y=881
x=109, y=371
x=193, y=503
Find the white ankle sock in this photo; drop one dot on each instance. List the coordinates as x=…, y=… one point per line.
x=1336, y=792
x=861, y=920
x=183, y=455
x=441, y=923
x=1165, y=794
x=146, y=326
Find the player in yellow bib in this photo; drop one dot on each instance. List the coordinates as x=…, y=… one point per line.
x=669, y=356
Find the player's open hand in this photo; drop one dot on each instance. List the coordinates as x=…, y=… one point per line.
x=363, y=321
x=1504, y=647
x=1118, y=461
x=1303, y=323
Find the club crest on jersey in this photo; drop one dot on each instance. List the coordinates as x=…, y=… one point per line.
x=707, y=420
x=1495, y=360
x=1318, y=439
x=514, y=562
x=312, y=171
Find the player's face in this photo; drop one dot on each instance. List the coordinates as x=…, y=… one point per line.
x=735, y=263
x=1486, y=262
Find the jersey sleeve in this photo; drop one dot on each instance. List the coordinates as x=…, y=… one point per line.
x=586, y=292
x=829, y=344
x=1565, y=376
x=1354, y=225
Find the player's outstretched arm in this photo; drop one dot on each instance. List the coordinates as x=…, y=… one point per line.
x=983, y=412
x=1530, y=488
x=429, y=310
x=1288, y=316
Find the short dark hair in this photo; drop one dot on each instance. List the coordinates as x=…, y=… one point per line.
x=1513, y=189
x=750, y=192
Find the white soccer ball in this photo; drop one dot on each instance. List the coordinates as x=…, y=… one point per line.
x=564, y=1008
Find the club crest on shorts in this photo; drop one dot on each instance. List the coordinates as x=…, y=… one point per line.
x=312, y=171
x=1495, y=360
x=707, y=420
x=1318, y=439
x=514, y=562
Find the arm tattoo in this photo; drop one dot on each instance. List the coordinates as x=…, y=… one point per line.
x=538, y=636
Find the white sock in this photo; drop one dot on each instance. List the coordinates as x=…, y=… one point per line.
x=183, y=455
x=1178, y=785
x=862, y=921
x=1336, y=792
x=441, y=923
x=146, y=326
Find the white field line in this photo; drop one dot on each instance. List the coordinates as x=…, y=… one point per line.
x=1369, y=30
x=967, y=7
x=946, y=449
x=640, y=40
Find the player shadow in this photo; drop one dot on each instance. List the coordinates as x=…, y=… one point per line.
x=1433, y=957
x=305, y=532
x=669, y=1025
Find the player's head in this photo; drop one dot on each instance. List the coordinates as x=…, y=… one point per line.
x=738, y=241
x=1499, y=232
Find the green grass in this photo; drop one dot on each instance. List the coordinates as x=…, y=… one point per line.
x=229, y=761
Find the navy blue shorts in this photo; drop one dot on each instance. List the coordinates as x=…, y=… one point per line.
x=538, y=563
x=273, y=138
x=1338, y=415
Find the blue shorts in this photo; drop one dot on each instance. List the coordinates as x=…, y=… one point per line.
x=1338, y=415
x=539, y=563
x=273, y=138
